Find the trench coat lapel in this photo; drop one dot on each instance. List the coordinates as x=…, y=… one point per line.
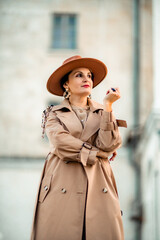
x=68, y=117
x=93, y=121
x=73, y=124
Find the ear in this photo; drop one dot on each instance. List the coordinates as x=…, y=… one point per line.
x=65, y=85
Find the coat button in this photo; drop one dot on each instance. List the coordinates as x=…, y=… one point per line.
x=63, y=190
x=105, y=190
x=46, y=188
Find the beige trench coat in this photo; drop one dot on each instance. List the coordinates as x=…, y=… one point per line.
x=77, y=176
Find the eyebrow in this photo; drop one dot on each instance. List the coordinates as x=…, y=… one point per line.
x=81, y=72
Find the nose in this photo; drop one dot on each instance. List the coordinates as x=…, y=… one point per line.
x=86, y=79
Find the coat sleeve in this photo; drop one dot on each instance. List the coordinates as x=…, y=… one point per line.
x=66, y=146
x=108, y=138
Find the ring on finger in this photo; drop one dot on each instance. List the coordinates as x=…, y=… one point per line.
x=113, y=89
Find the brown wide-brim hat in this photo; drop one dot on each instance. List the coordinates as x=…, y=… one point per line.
x=97, y=67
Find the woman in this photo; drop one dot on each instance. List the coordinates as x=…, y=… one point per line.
x=78, y=198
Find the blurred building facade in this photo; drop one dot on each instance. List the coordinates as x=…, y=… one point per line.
x=36, y=37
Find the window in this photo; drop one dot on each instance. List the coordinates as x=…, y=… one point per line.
x=64, y=31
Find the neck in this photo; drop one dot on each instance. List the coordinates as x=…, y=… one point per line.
x=78, y=101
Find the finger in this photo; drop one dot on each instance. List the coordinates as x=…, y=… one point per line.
x=113, y=156
x=118, y=91
x=117, y=88
x=115, y=91
x=111, y=159
x=115, y=153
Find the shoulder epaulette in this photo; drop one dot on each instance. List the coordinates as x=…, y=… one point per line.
x=45, y=114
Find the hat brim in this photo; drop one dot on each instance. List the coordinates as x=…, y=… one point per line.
x=97, y=67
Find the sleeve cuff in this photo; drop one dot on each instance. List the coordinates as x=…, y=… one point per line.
x=108, y=116
x=84, y=153
x=92, y=157
x=108, y=121
x=88, y=155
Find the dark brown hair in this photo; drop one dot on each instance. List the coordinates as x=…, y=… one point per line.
x=64, y=79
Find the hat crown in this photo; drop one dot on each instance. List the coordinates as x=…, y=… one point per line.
x=71, y=59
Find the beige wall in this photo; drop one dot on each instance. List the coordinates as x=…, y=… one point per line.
x=28, y=60
x=105, y=31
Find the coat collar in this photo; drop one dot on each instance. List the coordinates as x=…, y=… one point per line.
x=67, y=116
x=65, y=105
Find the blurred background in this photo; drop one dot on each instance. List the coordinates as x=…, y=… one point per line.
x=36, y=36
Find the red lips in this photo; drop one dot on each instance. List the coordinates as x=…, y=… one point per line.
x=86, y=86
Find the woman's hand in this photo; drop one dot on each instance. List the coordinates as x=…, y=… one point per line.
x=113, y=156
x=112, y=95
x=103, y=154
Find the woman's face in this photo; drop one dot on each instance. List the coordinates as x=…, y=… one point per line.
x=79, y=82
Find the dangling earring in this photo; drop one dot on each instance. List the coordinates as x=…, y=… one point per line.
x=89, y=96
x=66, y=93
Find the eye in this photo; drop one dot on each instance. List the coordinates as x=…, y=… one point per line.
x=90, y=76
x=79, y=75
